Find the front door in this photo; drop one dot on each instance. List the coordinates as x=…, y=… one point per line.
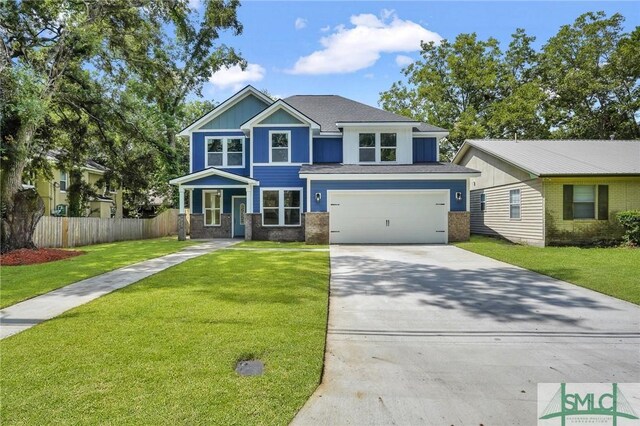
x=239, y=209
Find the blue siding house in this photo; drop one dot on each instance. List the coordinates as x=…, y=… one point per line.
x=321, y=169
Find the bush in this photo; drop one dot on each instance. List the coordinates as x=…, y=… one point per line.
x=630, y=221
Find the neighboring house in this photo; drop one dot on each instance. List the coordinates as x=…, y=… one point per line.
x=108, y=202
x=545, y=192
x=321, y=169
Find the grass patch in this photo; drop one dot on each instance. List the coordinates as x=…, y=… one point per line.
x=23, y=282
x=283, y=245
x=163, y=351
x=612, y=271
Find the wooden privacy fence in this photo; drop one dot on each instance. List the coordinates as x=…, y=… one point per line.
x=82, y=231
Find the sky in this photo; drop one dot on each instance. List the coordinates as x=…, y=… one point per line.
x=357, y=49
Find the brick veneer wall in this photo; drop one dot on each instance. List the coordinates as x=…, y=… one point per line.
x=316, y=228
x=459, y=226
x=256, y=231
x=198, y=230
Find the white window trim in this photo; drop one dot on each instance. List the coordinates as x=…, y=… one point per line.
x=378, y=147
x=65, y=180
x=519, y=204
x=289, y=146
x=281, y=207
x=204, y=214
x=483, y=201
x=225, y=141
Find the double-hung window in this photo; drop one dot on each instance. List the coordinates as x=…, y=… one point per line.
x=483, y=202
x=212, y=207
x=367, y=147
x=225, y=151
x=281, y=207
x=280, y=146
x=63, y=180
x=388, y=147
x=584, y=202
x=514, y=204
x=377, y=147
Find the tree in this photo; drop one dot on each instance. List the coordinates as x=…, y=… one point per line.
x=452, y=86
x=58, y=55
x=583, y=84
x=593, y=91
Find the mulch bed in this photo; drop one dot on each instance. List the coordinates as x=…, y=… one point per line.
x=30, y=257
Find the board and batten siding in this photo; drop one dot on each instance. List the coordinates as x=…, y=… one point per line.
x=495, y=219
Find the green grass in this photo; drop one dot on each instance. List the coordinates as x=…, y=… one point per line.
x=163, y=351
x=276, y=244
x=18, y=283
x=612, y=271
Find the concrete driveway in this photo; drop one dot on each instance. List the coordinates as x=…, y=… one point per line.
x=438, y=335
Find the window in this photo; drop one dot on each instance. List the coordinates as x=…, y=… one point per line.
x=514, y=204
x=280, y=152
x=225, y=152
x=63, y=181
x=584, y=202
x=377, y=147
x=387, y=147
x=367, y=147
x=483, y=202
x=212, y=202
x=281, y=207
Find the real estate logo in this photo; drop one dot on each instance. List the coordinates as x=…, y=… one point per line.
x=588, y=403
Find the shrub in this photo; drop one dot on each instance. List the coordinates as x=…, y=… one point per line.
x=630, y=221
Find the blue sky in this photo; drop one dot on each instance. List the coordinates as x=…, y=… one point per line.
x=357, y=49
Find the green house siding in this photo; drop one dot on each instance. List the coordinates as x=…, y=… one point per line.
x=622, y=193
x=235, y=116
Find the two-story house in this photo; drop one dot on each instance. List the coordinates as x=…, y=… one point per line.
x=320, y=169
x=106, y=203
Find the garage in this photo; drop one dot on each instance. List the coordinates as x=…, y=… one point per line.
x=388, y=217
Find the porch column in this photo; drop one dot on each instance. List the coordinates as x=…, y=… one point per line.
x=249, y=190
x=182, y=230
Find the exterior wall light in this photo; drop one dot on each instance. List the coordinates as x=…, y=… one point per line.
x=318, y=197
x=458, y=196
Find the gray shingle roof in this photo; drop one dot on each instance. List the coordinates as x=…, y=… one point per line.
x=566, y=157
x=422, y=168
x=326, y=110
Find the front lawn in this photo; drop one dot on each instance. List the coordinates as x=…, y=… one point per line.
x=163, y=351
x=18, y=283
x=612, y=271
x=276, y=244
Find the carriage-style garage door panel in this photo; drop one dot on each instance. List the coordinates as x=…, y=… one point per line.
x=388, y=217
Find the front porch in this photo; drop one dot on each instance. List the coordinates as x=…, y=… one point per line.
x=219, y=204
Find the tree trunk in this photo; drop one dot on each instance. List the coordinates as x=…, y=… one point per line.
x=19, y=223
x=21, y=209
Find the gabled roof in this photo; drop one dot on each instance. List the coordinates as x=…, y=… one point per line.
x=225, y=106
x=563, y=157
x=212, y=171
x=327, y=110
x=91, y=165
x=279, y=104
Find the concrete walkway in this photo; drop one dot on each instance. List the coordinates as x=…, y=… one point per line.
x=438, y=335
x=24, y=315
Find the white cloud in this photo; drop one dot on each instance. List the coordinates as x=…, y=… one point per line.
x=235, y=78
x=369, y=75
x=360, y=46
x=403, y=60
x=300, y=23
x=325, y=29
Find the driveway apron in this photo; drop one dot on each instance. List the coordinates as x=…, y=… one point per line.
x=438, y=335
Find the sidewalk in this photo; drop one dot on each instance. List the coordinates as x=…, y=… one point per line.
x=24, y=315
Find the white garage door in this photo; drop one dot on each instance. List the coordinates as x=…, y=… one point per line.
x=399, y=217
